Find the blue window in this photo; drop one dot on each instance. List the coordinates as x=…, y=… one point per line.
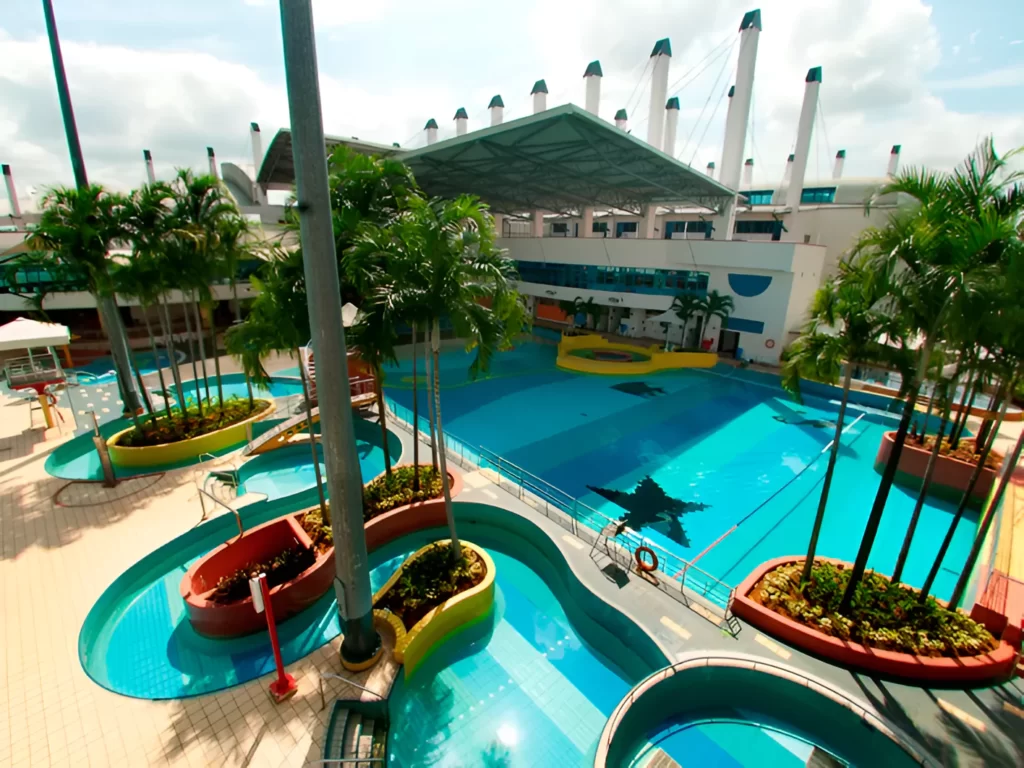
x=660, y=282
x=600, y=226
x=818, y=195
x=697, y=226
x=760, y=196
x=754, y=227
x=625, y=226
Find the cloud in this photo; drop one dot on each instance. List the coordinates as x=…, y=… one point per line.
x=1016, y=42
x=1007, y=77
x=974, y=36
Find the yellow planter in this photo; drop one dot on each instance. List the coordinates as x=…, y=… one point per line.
x=659, y=359
x=183, y=450
x=413, y=646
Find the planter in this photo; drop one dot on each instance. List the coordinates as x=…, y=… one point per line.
x=413, y=646
x=258, y=544
x=951, y=475
x=982, y=668
x=410, y=518
x=656, y=359
x=182, y=450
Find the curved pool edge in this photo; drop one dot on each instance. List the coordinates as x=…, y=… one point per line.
x=629, y=723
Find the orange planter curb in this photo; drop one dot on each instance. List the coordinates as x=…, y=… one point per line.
x=398, y=522
x=925, y=669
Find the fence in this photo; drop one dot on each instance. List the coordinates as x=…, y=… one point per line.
x=674, y=575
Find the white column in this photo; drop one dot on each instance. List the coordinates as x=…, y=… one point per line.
x=150, y=175
x=711, y=169
x=621, y=120
x=671, y=126
x=497, y=107
x=662, y=55
x=211, y=158
x=837, y=169
x=739, y=113
x=12, y=193
x=779, y=195
x=499, y=224
x=812, y=84
x=540, y=96
x=592, y=77
x=461, y=122
x=894, y=160
x=537, y=224
x=431, y=129
x=748, y=173
x=648, y=222
x=788, y=174
x=257, y=159
x=587, y=226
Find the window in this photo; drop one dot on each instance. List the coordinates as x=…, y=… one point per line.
x=625, y=228
x=560, y=228
x=696, y=226
x=818, y=195
x=659, y=282
x=761, y=196
x=754, y=227
x=599, y=226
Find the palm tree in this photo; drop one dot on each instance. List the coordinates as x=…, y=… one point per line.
x=78, y=226
x=686, y=306
x=450, y=267
x=715, y=305
x=847, y=318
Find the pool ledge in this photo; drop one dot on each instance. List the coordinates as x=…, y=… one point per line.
x=414, y=646
x=980, y=669
x=658, y=359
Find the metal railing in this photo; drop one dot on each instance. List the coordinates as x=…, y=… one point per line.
x=675, y=575
x=346, y=760
x=347, y=681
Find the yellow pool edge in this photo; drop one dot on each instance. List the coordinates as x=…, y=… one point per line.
x=658, y=359
x=412, y=647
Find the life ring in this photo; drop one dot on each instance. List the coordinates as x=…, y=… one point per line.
x=769, y=343
x=643, y=565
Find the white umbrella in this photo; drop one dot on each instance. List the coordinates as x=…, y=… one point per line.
x=349, y=313
x=668, y=317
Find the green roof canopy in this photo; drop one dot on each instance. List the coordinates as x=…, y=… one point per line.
x=278, y=169
x=560, y=160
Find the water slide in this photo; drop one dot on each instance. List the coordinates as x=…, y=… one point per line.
x=281, y=435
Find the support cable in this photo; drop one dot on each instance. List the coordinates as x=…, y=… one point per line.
x=711, y=93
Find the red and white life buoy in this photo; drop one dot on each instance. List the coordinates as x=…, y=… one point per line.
x=770, y=343
x=642, y=564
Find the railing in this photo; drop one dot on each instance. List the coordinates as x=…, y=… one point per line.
x=675, y=575
x=346, y=680
x=346, y=760
x=201, y=490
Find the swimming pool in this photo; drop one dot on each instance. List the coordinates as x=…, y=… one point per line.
x=690, y=454
x=101, y=370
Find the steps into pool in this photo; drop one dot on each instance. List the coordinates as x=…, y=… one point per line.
x=356, y=732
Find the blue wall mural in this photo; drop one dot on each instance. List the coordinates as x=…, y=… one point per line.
x=749, y=285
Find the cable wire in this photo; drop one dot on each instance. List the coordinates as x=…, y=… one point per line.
x=635, y=87
x=711, y=119
x=711, y=93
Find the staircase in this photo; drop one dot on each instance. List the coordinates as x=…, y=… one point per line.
x=223, y=486
x=357, y=733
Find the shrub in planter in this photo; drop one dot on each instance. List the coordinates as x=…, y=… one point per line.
x=884, y=615
x=163, y=430
x=284, y=567
x=429, y=580
x=386, y=493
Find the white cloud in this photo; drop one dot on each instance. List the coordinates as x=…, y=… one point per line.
x=974, y=36
x=1007, y=77
x=1016, y=42
x=956, y=50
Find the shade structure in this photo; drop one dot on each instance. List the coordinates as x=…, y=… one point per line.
x=29, y=334
x=277, y=171
x=349, y=313
x=668, y=316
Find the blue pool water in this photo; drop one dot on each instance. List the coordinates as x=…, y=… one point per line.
x=101, y=370
x=736, y=744
x=704, y=438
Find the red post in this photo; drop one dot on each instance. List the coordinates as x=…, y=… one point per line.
x=285, y=685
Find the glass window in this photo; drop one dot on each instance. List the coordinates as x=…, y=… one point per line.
x=759, y=197
x=754, y=227
x=818, y=195
x=625, y=279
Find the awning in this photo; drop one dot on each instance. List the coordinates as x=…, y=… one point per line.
x=560, y=160
x=29, y=334
x=668, y=316
x=278, y=168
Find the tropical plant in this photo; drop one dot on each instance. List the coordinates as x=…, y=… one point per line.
x=686, y=306
x=715, y=304
x=848, y=316
x=78, y=227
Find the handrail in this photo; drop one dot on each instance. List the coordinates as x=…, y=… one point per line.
x=347, y=680
x=346, y=760
x=232, y=510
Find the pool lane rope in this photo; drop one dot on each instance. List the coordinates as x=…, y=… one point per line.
x=781, y=488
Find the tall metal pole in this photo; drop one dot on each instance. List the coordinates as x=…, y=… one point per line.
x=323, y=294
x=106, y=305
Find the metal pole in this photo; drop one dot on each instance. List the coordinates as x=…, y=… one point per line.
x=67, y=111
x=323, y=294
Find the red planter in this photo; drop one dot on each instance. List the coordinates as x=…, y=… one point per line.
x=260, y=543
x=950, y=478
x=411, y=517
x=924, y=669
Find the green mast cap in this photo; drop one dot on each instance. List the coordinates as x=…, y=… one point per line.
x=621, y=115
x=732, y=91
x=751, y=19
x=791, y=158
x=594, y=68
x=496, y=102
x=460, y=113
x=539, y=87
x=663, y=47
x=813, y=75
x=672, y=103
x=896, y=149
x=431, y=123
x=841, y=154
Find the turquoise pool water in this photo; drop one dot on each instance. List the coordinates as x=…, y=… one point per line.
x=101, y=370
x=714, y=446
x=730, y=744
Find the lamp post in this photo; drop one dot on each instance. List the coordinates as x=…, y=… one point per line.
x=361, y=645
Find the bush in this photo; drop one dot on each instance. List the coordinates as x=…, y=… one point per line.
x=431, y=579
x=163, y=430
x=386, y=493
x=319, y=533
x=284, y=567
x=883, y=615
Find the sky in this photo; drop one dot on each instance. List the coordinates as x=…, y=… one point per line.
x=176, y=77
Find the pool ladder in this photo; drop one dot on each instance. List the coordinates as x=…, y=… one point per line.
x=205, y=494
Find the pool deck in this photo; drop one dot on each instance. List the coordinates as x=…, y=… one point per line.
x=62, y=544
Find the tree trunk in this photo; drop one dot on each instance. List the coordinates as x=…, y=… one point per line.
x=415, y=418
x=168, y=329
x=312, y=441
x=965, y=412
x=110, y=316
x=216, y=366
x=962, y=506
x=143, y=392
x=192, y=354
x=430, y=398
x=933, y=460
x=202, y=345
x=156, y=358
x=1009, y=466
x=986, y=426
x=888, y=475
x=819, y=517
x=435, y=343
x=381, y=417
x=248, y=386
